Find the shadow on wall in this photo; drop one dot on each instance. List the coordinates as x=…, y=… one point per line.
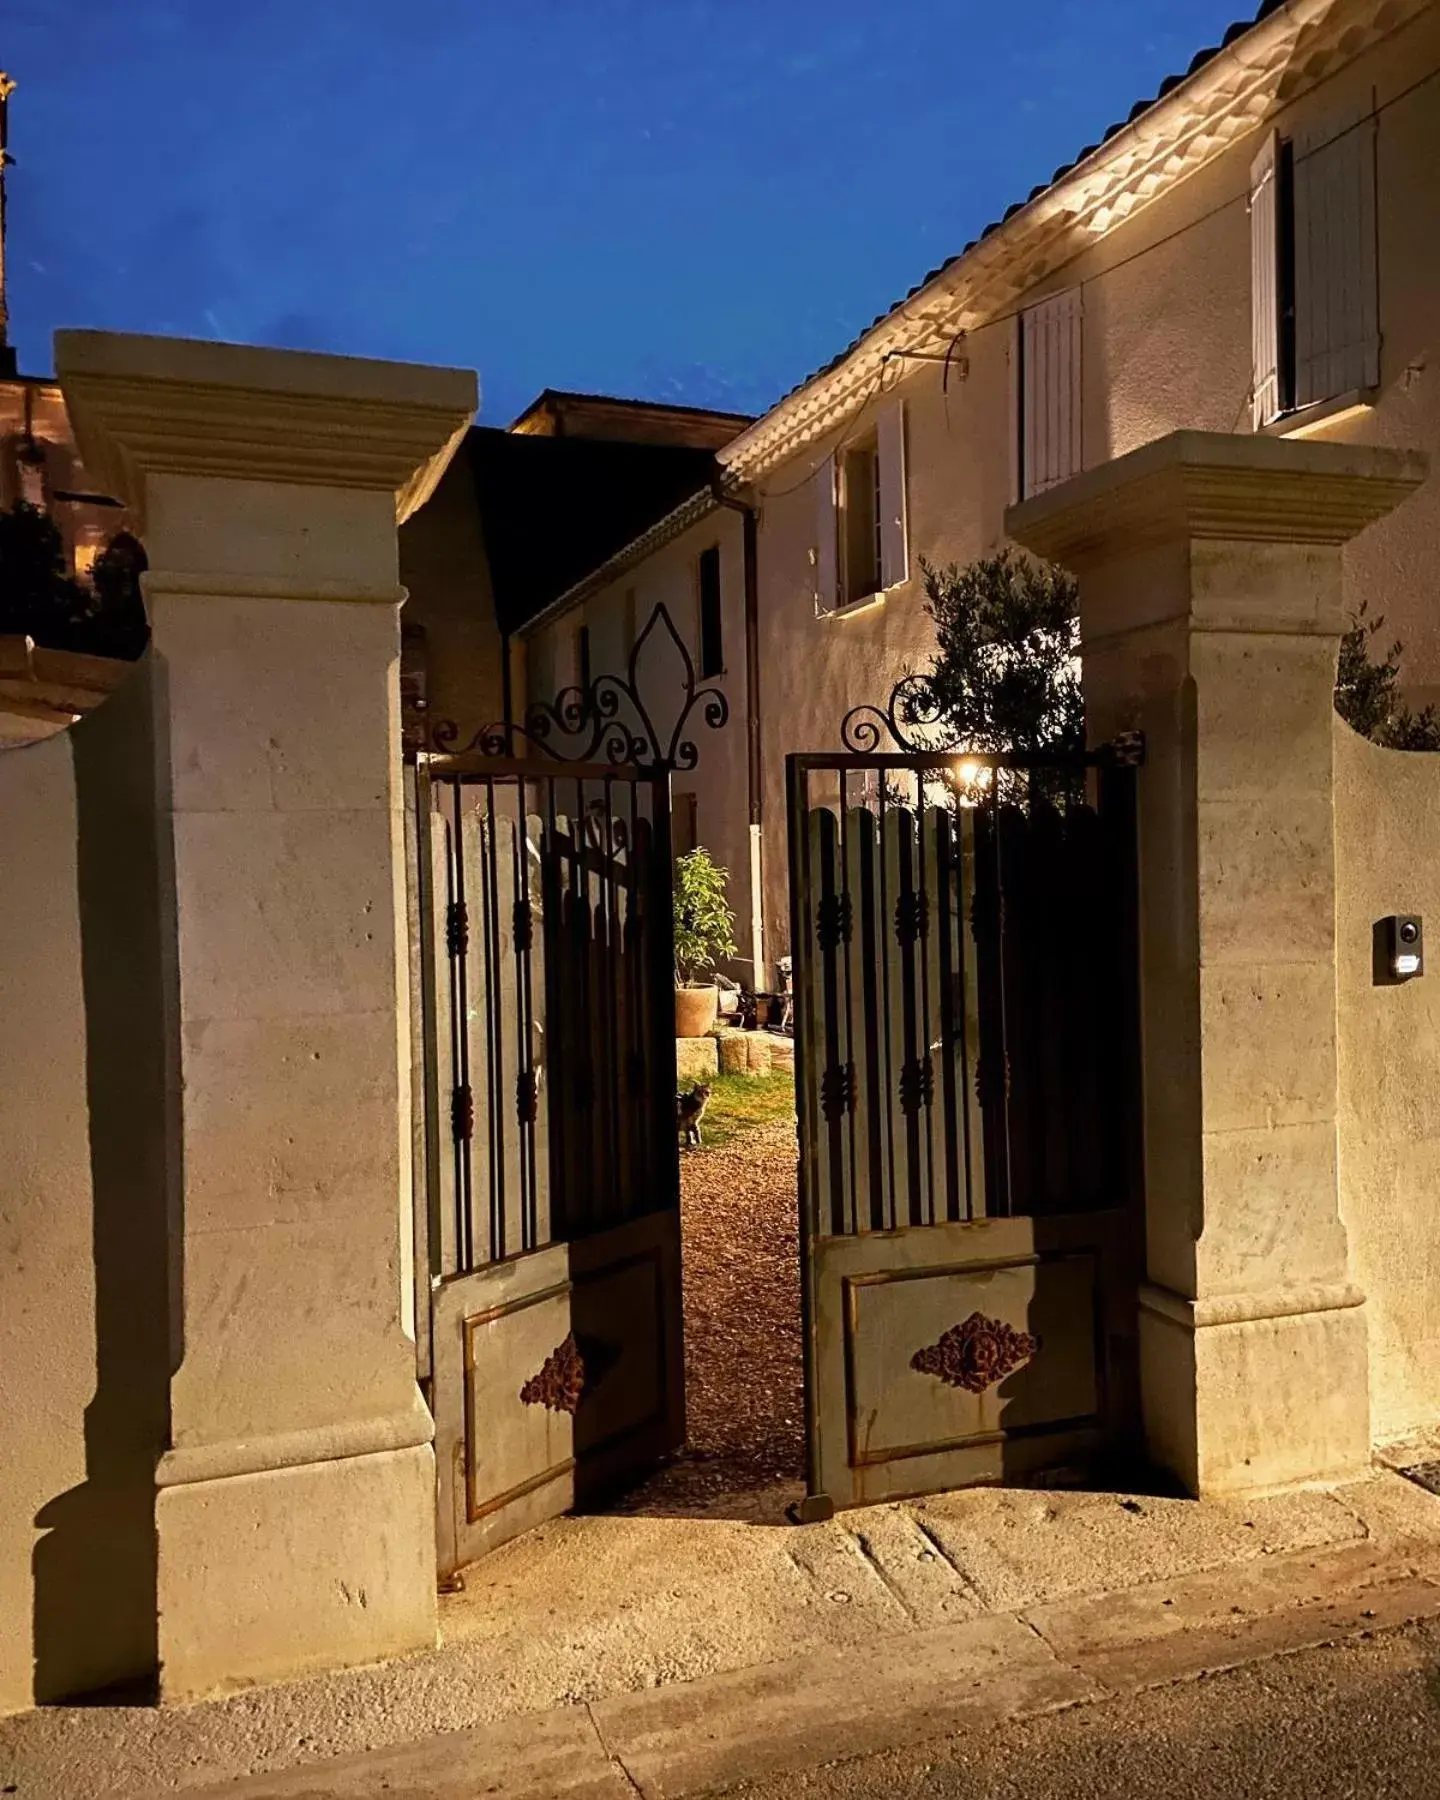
x=95, y=1622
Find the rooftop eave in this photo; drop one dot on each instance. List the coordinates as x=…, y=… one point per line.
x=1269, y=65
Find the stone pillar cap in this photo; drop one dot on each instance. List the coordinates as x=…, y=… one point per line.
x=143, y=405
x=1216, y=484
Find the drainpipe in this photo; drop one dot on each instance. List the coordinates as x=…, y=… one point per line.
x=507, y=693
x=750, y=541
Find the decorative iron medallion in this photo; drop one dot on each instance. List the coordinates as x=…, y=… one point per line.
x=976, y=1354
x=570, y=1372
x=560, y=1381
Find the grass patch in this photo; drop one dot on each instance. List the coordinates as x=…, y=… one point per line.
x=741, y=1103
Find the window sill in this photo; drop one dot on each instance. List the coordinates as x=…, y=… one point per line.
x=1306, y=419
x=849, y=608
x=866, y=603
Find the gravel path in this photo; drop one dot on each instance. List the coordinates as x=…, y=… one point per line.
x=743, y=1381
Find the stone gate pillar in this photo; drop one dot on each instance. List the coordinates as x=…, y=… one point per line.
x=295, y=1505
x=1211, y=611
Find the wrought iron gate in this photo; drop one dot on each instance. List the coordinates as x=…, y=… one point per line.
x=552, y=1248
x=964, y=944
x=547, y=1255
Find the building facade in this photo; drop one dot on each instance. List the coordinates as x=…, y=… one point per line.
x=1256, y=249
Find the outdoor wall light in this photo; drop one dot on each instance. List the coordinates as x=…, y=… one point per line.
x=1399, y=949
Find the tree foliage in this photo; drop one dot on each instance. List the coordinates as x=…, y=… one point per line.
x=1367, y=691
x=704, y=923
x=39, y=599
x=1006, y=672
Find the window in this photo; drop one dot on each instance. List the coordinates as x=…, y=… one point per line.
x=582, y=658
x=627, y=623
x=1048, y=445
x=1313, y=267
x=684, y=824
x=860, y=516
x=712, y=639
x=861, y=524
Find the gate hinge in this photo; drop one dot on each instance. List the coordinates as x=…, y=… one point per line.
x=457, y=928
x=462, y=1115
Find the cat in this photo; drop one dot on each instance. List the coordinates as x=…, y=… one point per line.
x=689, y=1111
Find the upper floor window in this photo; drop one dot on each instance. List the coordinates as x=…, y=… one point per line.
x=712, y=636
x=860, y=521
x=1047, y=444
x=862, y=547
x=580, y=657
x=1313, y=267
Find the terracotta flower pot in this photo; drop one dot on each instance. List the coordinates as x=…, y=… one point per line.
x=695, y=1009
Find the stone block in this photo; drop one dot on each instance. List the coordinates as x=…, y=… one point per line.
x=310, y=1567
x=743, y=1053
x=696, y=1059
x=1268, y=1045
x=782, y=1052
x=1258, y=1405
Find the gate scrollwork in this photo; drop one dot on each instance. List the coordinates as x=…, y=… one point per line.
x=608, y=719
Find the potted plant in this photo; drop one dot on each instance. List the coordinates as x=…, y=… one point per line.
x=704, y=933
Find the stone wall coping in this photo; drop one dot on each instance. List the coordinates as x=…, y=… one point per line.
x=143, y=406
x=1216, y=484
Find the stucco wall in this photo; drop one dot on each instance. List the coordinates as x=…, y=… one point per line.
x=84, y=1330
x=1387, y=860
x=1166, y=344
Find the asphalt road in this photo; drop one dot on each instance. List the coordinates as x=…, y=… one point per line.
x=1356, y=1719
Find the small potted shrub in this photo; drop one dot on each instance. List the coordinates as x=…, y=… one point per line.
x=704, y=933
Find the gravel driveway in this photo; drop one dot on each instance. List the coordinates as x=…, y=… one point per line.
x=744, y=1455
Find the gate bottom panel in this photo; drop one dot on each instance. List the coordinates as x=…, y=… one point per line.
x=559, y=1378
x=950, y=1355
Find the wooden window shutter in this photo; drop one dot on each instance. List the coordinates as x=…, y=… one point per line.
x=890, y=450
x=827, y=559
x=1337, y=332
x=1264, y=285
x=1050, y=415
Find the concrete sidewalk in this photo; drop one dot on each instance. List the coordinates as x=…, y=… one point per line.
x=667, y=1656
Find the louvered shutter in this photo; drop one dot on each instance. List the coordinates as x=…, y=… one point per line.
x=1264, y=286
x=1050, y=440
x=1337, y=334
x=827, y=559
x=890, y=449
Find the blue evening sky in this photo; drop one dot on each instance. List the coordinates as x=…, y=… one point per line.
x=691, y=200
